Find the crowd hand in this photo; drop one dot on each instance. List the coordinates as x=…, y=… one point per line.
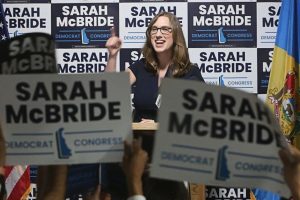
x=147, y=120
x=291, y=169
x=113, y=44
x=134, y=163
x=97, y=195
x=52, y=181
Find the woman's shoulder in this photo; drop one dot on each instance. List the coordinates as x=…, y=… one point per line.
x=194, y=73
x=194, y=66
x=138, y=64
x=192, y=69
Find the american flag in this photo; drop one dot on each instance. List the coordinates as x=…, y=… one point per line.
x=3, y=28
x=17, y=182
x=17, y=178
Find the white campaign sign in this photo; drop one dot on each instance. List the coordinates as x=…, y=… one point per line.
x=65, y=119
x=216, y=136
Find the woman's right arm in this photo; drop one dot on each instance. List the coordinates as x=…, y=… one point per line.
x=113, y=46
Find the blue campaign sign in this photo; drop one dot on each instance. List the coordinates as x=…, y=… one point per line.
x=83, y=25
x=128, y=57
x=267, y=23
x=222, y=24
x=82, y=179
x=18, y=58
x=33, y=173
x=264, y=63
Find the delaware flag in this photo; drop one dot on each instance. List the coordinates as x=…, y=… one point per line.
x=283, y=90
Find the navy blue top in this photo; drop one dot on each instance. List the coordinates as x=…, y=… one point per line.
x=146, y=89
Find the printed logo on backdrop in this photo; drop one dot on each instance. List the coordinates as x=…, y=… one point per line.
x=26, y=18
x=230, y=67
x=220, y=24
x=83, y=25
x=222, y=172
x=81, y=60
x=222, y=193
x=135, y=18
x=63, y=150
x=267, y=23
x=264, y=64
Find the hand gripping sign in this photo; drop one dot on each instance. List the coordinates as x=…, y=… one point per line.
x=217, y=136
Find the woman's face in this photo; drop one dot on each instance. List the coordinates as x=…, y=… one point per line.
x=161, y=35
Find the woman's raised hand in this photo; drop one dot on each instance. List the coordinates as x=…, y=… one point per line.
x=113, y=44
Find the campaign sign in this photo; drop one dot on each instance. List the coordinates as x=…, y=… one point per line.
x=223, y=193
x=25, y=1
x=65, y=119
x=217, y=136
x=128, y=57
x=230, y=67
x=264, y=64
x=27, y=17
x=83, y=25
x=72, y=61
x=222, y=24
x=267, y=23
x=28, y=53
x=82, y=179
x=135, y=18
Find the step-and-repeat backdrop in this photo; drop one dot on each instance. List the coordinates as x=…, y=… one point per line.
x=231, y=40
